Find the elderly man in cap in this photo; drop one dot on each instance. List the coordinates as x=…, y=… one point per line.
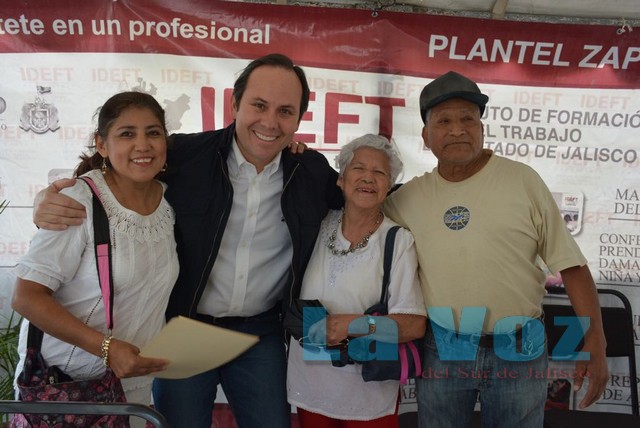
x=480, y=222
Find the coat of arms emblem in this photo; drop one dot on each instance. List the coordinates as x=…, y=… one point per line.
x=39, y=116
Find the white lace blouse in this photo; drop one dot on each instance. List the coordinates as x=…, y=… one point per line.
x=145, y=268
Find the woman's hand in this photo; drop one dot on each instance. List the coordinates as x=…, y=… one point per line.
x=394, y=328
x=338, y=328
x=332, y=330
x=297, y=147
x=36, y=303
x=125, y=360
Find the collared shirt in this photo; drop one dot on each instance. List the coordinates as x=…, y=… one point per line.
x=250, y=271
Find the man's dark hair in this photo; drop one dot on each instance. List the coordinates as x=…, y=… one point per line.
x=273, y=60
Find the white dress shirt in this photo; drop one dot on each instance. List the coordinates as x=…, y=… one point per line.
x=250, y=271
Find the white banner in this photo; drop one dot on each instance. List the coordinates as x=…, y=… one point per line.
x=563, y=99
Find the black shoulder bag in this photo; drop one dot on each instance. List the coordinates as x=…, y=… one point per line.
x=408, y=365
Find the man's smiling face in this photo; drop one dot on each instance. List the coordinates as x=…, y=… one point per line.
x=267, y=114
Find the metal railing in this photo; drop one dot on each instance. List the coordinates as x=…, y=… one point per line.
x=84, y=408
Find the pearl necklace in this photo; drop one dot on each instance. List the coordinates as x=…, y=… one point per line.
x=363, y=242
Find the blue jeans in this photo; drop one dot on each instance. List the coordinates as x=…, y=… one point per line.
x=511, y=393
x=254, y=384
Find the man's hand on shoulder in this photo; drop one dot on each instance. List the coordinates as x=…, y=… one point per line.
x=55, y=211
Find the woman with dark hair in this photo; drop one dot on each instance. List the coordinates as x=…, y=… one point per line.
x=58, y=288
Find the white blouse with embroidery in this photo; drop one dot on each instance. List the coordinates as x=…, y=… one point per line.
x=350, y=284
x=144, y=266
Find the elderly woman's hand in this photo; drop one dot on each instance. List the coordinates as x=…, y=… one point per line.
x=318, y=332
x=297, y=147
x=332, y=330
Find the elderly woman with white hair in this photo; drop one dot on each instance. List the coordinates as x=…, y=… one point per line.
x=345, y=275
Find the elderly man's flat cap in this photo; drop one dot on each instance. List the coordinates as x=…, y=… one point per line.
x=447, y=86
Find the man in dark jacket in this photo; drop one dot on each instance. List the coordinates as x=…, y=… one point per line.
x=248, y=213
x=247, y=216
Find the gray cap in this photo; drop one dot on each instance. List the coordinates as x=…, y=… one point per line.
x=451, y=85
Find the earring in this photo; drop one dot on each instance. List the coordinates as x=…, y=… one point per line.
x=104, y=166
x=164, y=168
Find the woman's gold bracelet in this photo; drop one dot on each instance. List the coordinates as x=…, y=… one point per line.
x=106, y=342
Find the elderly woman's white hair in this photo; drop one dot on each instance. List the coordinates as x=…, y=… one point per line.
x=377, y=142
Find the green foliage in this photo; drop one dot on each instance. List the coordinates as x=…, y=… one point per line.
x=8, y=355
x=9, y=332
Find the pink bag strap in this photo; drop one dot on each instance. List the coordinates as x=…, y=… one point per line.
x=416, y=358
x=102, y=250
x=403, y=349
x=404, y=363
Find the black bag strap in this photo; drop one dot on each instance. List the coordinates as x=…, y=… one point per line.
x=102, y=243
x=386, y=266
x=101, y=238
x=34, y=337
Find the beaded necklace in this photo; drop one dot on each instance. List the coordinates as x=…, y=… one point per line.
x=331, y=244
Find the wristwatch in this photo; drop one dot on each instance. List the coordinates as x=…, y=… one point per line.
x=371, y=321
